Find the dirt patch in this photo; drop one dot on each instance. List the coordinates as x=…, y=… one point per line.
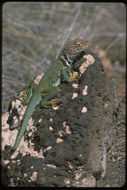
x=115, y=175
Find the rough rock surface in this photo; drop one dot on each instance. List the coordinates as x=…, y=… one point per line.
x=63, y=146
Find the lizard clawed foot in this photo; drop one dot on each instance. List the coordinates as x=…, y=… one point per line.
x=27, y=94
x=24, y=98
x=56, y=103
x=73, y=76
x=51, y=103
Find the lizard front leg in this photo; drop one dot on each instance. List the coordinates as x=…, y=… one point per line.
x=67, y=77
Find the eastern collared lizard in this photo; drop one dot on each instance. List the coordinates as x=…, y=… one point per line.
x=47, y=88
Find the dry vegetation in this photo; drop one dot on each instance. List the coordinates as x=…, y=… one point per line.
x=35, y=33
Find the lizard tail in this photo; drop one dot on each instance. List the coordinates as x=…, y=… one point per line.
x=35, y=100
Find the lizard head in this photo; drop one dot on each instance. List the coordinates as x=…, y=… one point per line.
x=74, y=48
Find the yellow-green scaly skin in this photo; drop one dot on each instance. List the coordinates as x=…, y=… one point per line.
x=47, y=88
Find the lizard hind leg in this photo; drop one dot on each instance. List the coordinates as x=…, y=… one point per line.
x=48, y=99
x=50, y=103
x=27, y=94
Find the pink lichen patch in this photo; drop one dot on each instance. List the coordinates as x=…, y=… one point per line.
x=64, y=124
x=38, y=78
x=107, y=185
x=31, y=127
x=7, y=135
x=67, y=181
x=48, y=148
x=59, y=140
x=6, y=162
x=103, y=173
x=19, y=107
x=18, y=162
x=88, y=182
x=55, y=107
x=70, y=166
x=40, y=154
x=40, y=120
x=51, y=119
x=15, y=119
x=80, y=156
x=14, y=155
x=22, y=112
x=30, y=134
x=77, y=175
x=13, y=161
x=84, y=109
x=89, y=60
x=84, y=92
x=23, y=148
x=106, y=103
x=75, y=85
x=67, y=127
x=4, y=121
x=51, y=166
x=51, y=128
x=34, y=176
x=60, y=133
x=15, y=104
x=25, y=174
x=74, y=95
x=30, y=123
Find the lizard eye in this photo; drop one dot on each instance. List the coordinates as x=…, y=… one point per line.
x=77, y=43
x=82, y=42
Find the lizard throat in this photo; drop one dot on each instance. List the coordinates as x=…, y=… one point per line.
x=56, y=83
x=64, y=61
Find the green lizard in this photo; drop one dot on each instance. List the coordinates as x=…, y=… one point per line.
x=47, y=88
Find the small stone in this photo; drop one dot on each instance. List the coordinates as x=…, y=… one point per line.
x=108, y=185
